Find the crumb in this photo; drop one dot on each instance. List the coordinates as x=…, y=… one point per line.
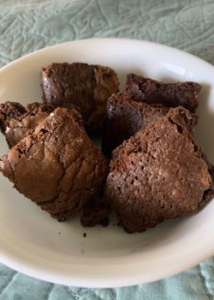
x=84, y=235
x=59, y=232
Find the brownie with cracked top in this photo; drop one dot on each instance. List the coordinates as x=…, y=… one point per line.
x=125, y=117
x=150, y=91
x=56, y=165
x=158, y=174
x=86, y=86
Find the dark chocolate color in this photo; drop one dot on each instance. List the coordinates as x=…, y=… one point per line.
x=150, y=91
x=158, y=174
x=85, y=86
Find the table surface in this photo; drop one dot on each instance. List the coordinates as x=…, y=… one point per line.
x=28, y=25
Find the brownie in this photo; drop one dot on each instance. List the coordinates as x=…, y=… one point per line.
x=125, y=117
x=158, y=174
x=150, y=91
x=86, y=86
x=56, y=165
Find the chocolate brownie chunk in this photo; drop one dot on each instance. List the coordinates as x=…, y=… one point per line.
x=150, y=91
x=158, y=174
x=125, y=117
x=56, y=165
x=86, y=86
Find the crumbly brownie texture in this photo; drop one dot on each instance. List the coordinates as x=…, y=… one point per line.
x=57, y=166
x=150, y=91
x=86, y=86
x=159, y=173
x=125, y=117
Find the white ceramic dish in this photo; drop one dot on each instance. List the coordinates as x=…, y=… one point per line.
x=35, y=244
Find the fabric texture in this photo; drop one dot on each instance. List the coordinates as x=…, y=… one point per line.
x=28, y=25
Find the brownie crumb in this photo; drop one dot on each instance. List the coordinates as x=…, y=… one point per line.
x=84, y=235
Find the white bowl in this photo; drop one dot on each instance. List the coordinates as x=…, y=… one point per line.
x=35, y=244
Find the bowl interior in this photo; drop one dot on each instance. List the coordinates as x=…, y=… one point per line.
x=35, y=244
